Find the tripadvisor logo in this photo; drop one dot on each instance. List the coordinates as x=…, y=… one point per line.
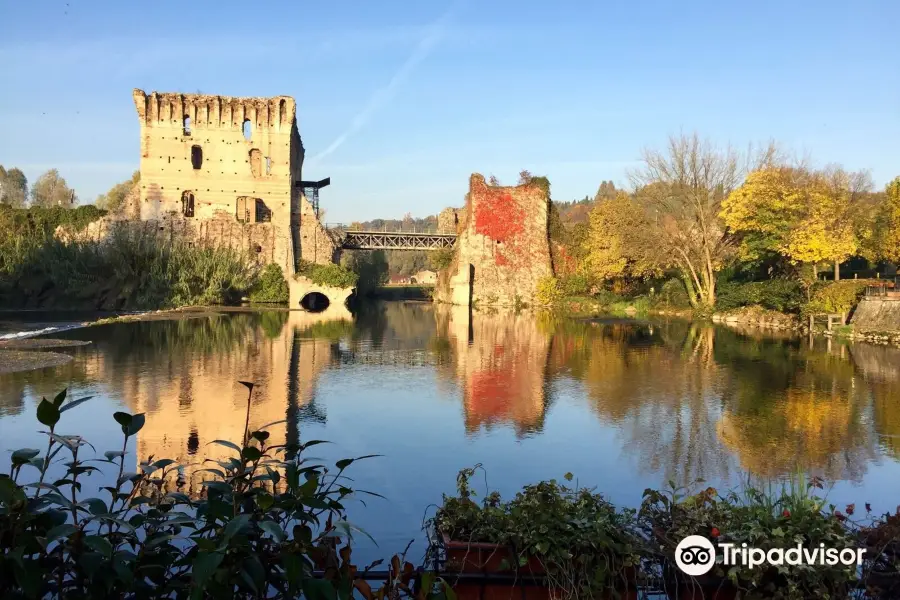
x=695, y=555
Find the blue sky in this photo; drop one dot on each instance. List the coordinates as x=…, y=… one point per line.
x=399, y=101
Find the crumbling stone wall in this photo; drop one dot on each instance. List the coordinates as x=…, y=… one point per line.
x=227, y=160
x=260, y=242
x=448, y=220
x=503, y=248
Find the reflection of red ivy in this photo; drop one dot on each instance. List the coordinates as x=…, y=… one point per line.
x=490, y=394
x=498, y=216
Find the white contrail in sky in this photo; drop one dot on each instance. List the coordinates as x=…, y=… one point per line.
x=433, y=35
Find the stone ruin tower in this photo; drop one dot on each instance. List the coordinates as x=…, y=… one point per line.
x=224, y=170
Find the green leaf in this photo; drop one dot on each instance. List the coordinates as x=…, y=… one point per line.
x=23, y=456
x=137, y=423
x=313, y=443
x=235, y=525
x=253, y=573
x=61, y=531
x=163, y=463
x=58, y=400
x=179, y=497
x=227, y=444
x=161, y=539
x=123, y=419
x=204, y=566
x=267, y=425
x=219, y=486
x=345, y=528
x=319, y=589
x=95, y=505
x=47, y=413
x=74, y=403
x=273, y=528
x=346, y=462
x=260, y=435
x=99, y=543
x=111, y=454
x=250, y=453
x=10, y=493
x=264, y=501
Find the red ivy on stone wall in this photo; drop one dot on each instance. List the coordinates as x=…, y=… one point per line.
x=500, y=217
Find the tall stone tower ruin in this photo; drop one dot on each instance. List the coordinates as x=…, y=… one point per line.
x=224, y=170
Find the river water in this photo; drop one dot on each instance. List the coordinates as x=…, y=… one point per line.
x=624, y=405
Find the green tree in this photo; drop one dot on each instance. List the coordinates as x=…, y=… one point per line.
x=51, y=189
x=13, y=187
x=370, y=266
x=114, y=199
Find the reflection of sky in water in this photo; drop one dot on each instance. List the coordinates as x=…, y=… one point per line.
x=620, y=407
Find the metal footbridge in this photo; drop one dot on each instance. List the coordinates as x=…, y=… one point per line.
x=354, y=238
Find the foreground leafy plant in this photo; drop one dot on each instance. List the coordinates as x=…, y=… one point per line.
x=266, y=520
x=774, y=518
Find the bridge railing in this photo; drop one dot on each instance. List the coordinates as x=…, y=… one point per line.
x=350, y=227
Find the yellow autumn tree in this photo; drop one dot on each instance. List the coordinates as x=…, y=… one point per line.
x=765, y=209
x=615, y=243
x=889, y=228
x=806, y=217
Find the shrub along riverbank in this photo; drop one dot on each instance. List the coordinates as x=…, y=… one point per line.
x=129, y=270
x=270, y=522
x=775, y=304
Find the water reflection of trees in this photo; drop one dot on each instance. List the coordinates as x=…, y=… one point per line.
x=696, y=401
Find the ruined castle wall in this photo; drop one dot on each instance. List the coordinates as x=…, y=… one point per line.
x=226, y=171
x=261, y=242
x=194, y=146
x=503, y=248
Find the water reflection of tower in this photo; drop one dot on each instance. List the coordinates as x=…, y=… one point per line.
x=201, y=400
x=501, y=362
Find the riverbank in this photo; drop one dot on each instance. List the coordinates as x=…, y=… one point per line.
x=753, y=316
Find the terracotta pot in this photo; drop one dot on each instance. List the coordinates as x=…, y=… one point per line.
x=481, y=557
x=484, y=558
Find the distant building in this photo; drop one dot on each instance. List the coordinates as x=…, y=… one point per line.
x=398, y=280
x=424, y=277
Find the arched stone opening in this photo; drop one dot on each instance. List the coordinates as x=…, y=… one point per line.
x=314, y=302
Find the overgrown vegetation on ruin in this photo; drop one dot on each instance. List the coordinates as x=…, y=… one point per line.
x=270, y=287
x=328, y=275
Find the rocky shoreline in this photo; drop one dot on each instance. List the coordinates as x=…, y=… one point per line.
x=762, y=318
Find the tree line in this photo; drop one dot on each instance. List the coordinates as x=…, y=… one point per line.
x=700, y=212
x=50, y=189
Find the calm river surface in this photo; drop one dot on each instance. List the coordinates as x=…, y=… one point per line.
x=623, y=405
